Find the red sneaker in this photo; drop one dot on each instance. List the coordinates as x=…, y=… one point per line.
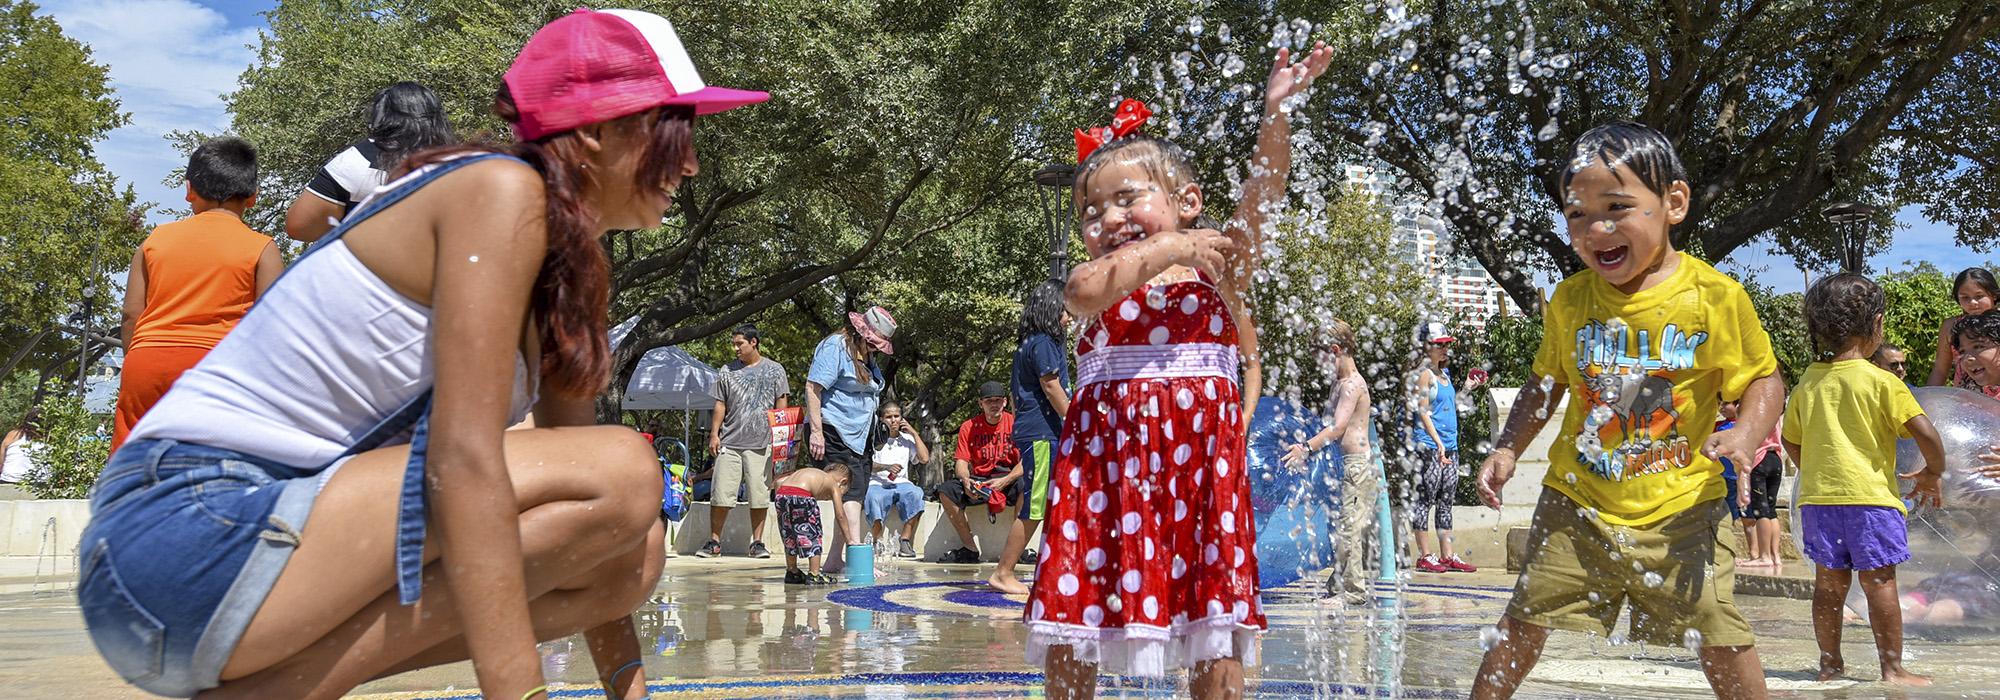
x=1430, y=564
x=1453, y=563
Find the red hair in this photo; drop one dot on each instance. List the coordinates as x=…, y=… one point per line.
x=573, y=291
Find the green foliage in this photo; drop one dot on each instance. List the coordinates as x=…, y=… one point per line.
x=59, y=209
x=17, y=393
x=1920, y=300
x=1784, y=318
x=74, y=447
x=1510, y=347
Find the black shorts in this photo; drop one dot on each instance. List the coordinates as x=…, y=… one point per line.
x=838, y=455
x=954, y=490
x=1764, y=481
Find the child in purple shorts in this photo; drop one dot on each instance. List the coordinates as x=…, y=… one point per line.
x=1841, y=426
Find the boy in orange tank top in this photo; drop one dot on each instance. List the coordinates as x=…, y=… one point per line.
x=192, y=279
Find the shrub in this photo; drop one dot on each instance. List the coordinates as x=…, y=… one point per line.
x=74, y=447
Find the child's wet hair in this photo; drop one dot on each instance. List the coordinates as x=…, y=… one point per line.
x=1840, y=308
x=1985, y=326
x=1163, y=161
x=1642, y=148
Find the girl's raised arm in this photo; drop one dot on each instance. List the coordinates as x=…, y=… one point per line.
x=1271, y=163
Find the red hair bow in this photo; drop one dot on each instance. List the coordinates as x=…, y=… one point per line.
x=1131, y=114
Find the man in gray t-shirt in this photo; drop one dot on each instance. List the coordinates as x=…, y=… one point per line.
x=740, y=439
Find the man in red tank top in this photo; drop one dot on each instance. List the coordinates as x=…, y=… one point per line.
x=192, y=279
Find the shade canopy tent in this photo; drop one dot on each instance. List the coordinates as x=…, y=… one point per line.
x=669, y=379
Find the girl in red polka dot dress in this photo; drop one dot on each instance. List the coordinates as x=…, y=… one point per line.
x=1149, y=563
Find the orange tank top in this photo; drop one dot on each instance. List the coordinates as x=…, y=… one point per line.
x=201, y=276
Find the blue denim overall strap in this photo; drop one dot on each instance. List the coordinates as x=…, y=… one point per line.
x=414, y=415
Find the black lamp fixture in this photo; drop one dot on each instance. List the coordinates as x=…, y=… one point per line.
x=1052, y=191
x=1851, y=219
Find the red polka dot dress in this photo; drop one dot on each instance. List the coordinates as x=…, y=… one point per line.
x=1149, y=561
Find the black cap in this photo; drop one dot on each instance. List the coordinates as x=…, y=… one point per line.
x=992, y=389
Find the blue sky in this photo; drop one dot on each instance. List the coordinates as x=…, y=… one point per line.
x=171, y=61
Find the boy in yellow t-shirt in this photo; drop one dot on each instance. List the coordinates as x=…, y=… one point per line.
x=1646, y=340
x=1842, y=427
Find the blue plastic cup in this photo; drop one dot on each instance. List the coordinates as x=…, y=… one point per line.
x=861, y=564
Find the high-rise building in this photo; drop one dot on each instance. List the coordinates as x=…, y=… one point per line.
x=1416, y=236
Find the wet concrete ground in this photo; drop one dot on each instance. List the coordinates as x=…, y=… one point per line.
x=730, y=628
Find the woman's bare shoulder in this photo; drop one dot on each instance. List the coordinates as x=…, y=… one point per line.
x=503, y=178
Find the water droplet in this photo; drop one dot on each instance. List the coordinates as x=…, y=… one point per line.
x=1692, y=640
x=1231, y=65
x=1195, y=25
x=1222, y=32
x=1490, y=637
x=1653, y=579
x=1599, y=416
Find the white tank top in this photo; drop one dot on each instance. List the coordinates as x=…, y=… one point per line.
x=318, y=362
x=14, y=469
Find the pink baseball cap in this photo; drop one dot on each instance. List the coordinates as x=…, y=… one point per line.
x=597, y=65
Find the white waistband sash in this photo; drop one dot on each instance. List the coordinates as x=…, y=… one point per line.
x=1121, y=362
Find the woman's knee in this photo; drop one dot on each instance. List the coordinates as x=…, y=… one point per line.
x=631, y=585
x=633, y=570
x=629, y=477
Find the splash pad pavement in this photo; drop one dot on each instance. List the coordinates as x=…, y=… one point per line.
x=730, y=628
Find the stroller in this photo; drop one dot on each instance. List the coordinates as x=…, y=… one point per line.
x=675, y=497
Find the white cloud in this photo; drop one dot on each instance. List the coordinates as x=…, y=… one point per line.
x=170, y=62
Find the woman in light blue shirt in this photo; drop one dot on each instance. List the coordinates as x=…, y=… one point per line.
x=843, y=387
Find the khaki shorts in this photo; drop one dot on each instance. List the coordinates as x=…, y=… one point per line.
x=1678, y=574
x=736, y=467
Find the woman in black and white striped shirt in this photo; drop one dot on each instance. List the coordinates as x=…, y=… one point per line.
x=403, y=118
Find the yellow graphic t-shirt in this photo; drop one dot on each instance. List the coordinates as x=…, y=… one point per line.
x=1644, y=373
x=1846, y=417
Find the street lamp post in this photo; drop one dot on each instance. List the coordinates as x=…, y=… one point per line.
x=1052, y=191
x=1851, y=218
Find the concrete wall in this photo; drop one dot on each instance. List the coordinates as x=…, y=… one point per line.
x=40, y=536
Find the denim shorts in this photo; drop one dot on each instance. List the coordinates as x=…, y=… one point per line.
x=184, y=543
x=905, y=496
